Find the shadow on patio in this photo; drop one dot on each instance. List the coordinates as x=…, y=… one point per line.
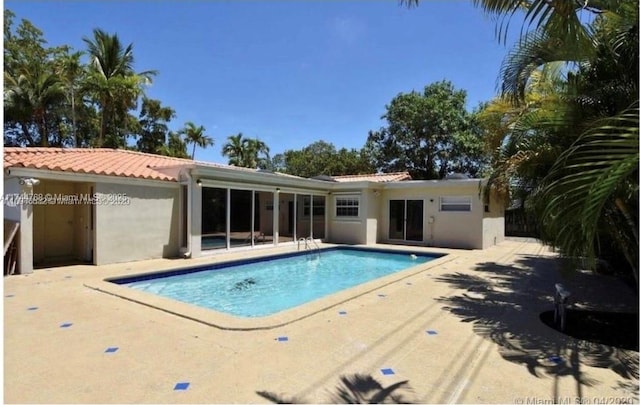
x=354, y=389
x=504, y=304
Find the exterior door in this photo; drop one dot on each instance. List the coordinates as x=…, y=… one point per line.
x=406, y=220
x=59, y=223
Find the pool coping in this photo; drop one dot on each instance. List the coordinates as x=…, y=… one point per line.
x=224, y=321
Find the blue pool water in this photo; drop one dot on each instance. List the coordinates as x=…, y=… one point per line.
x=260, y=288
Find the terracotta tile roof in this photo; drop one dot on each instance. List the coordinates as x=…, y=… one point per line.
x=107, y=162
x=377, y=177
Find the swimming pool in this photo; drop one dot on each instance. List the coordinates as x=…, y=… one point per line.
x=265, y=286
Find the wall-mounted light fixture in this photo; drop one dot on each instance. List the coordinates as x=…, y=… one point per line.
x=278, y=190
x=29, y=182
x=376, y=193
x=199, y=183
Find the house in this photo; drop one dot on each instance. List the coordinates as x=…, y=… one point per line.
x=105, y=206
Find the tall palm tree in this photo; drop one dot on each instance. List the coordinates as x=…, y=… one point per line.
x=196, y=136
x=112, y=78
x=71, y=70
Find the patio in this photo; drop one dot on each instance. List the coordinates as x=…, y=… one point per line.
x=465, y=331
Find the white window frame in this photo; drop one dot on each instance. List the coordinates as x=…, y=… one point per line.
x=457, y=203
x=307, y=207
x=349, y=198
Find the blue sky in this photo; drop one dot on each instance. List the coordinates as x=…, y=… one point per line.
x=290, y=72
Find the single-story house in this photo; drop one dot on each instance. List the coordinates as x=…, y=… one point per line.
x=107, y=206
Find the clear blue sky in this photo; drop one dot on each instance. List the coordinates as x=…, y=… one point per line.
x=290, y=72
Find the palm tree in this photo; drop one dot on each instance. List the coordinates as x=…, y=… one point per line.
x=246, y=152
x=112, y=79
x=30, y=96
x=257, y=154
x=585, y=133
x=235, y=149
x=71, y=71
x=587, y=201
x=196, y=136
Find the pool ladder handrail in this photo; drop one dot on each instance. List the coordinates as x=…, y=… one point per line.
x=307, y=242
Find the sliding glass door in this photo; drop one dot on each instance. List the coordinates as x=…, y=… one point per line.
x=406, y=220
x=214, y=218
x=245, y=218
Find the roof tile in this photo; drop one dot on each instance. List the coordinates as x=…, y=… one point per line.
x=376, y=177
x=101, y=161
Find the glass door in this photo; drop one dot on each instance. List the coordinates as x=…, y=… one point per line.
x=406, y=219
x=414, y=221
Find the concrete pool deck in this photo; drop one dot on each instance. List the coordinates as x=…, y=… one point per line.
x=463, y=331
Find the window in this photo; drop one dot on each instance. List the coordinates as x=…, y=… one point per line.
x=318, y=206
x=347, y=206
x=462, y=203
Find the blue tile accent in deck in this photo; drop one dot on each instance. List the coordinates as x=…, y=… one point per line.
x=342, y=313
x=111, y=350
x=32, y=308
x=387, y=371
x=66, y=325
x=432, y=332
x=282, y=339
x=556, y=359
x=181, y=386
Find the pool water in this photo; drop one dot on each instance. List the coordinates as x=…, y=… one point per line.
x=272, y=285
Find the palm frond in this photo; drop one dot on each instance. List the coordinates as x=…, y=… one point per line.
x=535, y=50
x=585, y=179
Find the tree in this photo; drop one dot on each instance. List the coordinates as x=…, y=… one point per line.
x=32, y=89
x=234, y=149
x=424, y=134
x=322, y=158
x=71, y=73
x=31, y=95
x=246, y=152
x=174, y=147
x=153, y=125
x=114, y=84
x=573, y=151
x=195, y=135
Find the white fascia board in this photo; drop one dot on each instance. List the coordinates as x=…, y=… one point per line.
x=354, y=185
x=85, y=177
x=209, y=175
x=467, y=183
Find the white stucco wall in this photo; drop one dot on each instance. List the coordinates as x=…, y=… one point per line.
x=447, y=229
x=146, y=228
x=350, y=230
x=371, y=205
x=493, y=224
